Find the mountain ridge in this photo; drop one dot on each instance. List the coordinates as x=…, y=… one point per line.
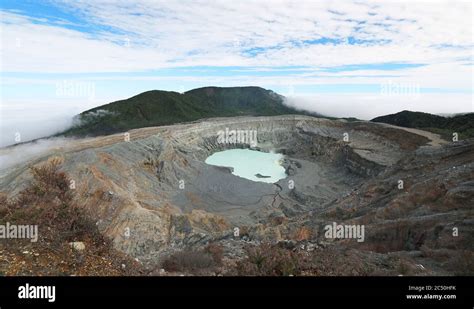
x=159, y=107
x=463, y=124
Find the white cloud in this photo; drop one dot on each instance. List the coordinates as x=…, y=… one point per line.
x=23, y=121
x=14, y=155
x=369, y=106
x=185, y=33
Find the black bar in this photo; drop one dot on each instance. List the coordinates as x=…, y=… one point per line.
x=378, y=291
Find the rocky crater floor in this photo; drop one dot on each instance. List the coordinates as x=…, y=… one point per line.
x=150, y=191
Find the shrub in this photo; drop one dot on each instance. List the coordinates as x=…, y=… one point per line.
x=274, y=260
x=192, y=261
x=216, y=251
x=462, y=263
x=49, y=203
x=403, y=267
x=271, y=260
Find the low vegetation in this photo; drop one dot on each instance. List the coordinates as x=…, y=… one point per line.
x=272, y=260
x=195, y=261
x=48, y=202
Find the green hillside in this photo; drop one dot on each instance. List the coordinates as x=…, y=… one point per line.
x=154, y=108
x=446, y=126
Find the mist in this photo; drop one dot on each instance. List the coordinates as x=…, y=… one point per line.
x=26, y=129
x=23, y=121
x=369, y=106
x=11, y=156
x=29, y=124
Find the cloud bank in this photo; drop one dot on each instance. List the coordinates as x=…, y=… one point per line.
x=369, y=106
x=23, y=121
x=11, y=156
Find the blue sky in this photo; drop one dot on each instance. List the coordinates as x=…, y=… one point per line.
x=348, y=59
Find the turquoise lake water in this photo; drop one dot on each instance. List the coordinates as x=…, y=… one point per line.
x=247, y=163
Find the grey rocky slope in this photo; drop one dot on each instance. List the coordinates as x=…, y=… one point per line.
x=153, y=194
